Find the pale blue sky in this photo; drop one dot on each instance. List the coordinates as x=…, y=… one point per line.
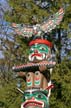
x=1, y=54
x=3, y=8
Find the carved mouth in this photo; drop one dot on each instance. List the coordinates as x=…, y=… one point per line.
x=32, y=103
x=36, y=54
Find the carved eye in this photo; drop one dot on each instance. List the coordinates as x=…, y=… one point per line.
x=42, y=48
x=26, y=97
x=28, y=75
x=37, y=73
x=31, y=50
x=39, y=96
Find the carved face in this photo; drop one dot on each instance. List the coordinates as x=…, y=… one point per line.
x=39, y=52
x=35, y=99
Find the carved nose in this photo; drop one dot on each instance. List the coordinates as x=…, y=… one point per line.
x=35, y=51
x=33, y=98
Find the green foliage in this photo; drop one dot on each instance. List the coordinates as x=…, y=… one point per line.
x=21, y=14
x=62, y=92
x=10, y=96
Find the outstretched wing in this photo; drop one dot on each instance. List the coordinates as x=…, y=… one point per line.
x=24, y=30
x=51, y=23
x=47, y=26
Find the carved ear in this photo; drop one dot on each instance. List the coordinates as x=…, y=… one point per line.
x=53, y=21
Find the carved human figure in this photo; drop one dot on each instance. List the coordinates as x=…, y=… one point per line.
x=40, y=52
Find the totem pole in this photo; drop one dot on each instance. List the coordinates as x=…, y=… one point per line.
x=41, y=61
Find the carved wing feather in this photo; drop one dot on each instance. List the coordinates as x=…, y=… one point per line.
x=47, y=26
x=24, y=30
x=52, y=22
